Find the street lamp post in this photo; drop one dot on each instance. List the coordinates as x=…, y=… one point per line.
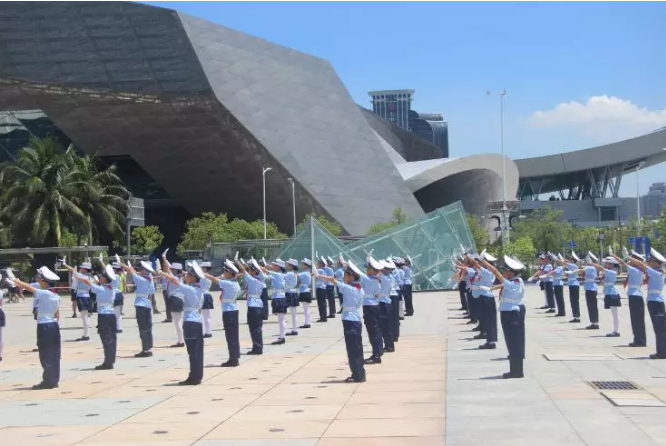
x=505, y=218
x=263, y=176
x=638, y=202
x=293, y=199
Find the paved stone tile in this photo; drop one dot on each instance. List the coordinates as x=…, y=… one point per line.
x=389, y=427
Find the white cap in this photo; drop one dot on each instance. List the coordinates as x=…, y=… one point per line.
x=398, y=261
x=279, y=262
x=560, y=257
x=637, y=255
x=205, y=264
x=229, y=266
x=307, y=262
x=543, y=256
x=611, y=260
x=574, y=256
x=372, y=263
x=330, y=261
x=47, y=274
x=116, y=265
x=341, y=260
x=656, y=255
x=254, y=265
x=409, y=259
x=388, y=264
x=147, y=266
x=110, y=273
x=86, y=265
x=323, y=260
x=196, y=269
x=513, y=264
x=293, y=262
x=262, y=262
x=177, y=266
x=353, y=269
x=592, y=256
x=488, y=257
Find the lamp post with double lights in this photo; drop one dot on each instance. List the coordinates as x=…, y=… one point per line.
x=263, y=175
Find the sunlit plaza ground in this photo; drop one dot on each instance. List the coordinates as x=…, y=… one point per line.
x=436, y=389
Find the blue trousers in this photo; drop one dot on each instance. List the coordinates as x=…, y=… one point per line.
x=395, y=317
x=658, y=317
x=255, y=322
x=513, y=325
x=637, y=314
x=354, y=344
x=48, y=343
x=264, y=299
x=321, y=303
x=330, y=297
x=193, y=333
x=409, y=305
x=106, y=328
x=144, y=319
x=490, y=316
x=230, y=323
x=385, y=322
x=371, y=319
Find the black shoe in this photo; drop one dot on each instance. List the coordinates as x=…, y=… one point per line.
x=480, y=336
x=409, y=314
x=119, y=331
x=292, y=333
x=230, y=363
x=83, y=339
x=280, y=341
x=208, y=335
x=462, y=309
x=634, y=344
x=167, y=321
x=613, y=335
x=177, y=345
x=331, y=316
x=575, y=321
x=156, y=312
x=305, y=326
x=657, y=356
x=552, y=310
x=354, y=380
x=389, y=350
x=545, y=307
x=44, y=386
x=143, y=355
x=395, y=340
x=488, y=346
x=74, y=316
x=340, y=312
x=373, y=360
x=472, y=321
x=401, y=318
x=104, y=367
x=592, y=327
x=560, y=315
x=321, y=320
x=510, y=375
x=254, y=352
x=477, y=328
x=189, y=382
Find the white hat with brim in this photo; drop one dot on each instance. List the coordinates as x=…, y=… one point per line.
x=637, y=255
x=254, y=265
x=341, y=260
x=611, y=260
x=323, y=261
x=293, y=262
x=353, y=269
x=229, y=266
x=47, y=274
x=489, y=257
x=409, y=259
x=147, y=266
x=398, y=260
x=116, y=265
x=513, y=264
x=307, y=262
x=388, y=264
x=574, y=256
x=279, y=262
x=330, y=260
x=262, y=262
x=177, y=266
x=86, y=265
x=372, y=263
x=592, y=256
x=656, y=255
x=194, y=268
x=110, y=273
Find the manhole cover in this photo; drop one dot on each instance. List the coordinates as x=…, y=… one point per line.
x=614, y=385
x=193, y=413
x=160, y=432
x=274, y=429
x=92, y=415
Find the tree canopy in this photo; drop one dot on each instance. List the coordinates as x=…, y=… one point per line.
x=331, y=226
x=399, y=217
x=146, y=239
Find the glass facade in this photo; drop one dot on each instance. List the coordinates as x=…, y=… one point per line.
x=394, y=106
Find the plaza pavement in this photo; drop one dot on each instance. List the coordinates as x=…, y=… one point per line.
x=436, y=389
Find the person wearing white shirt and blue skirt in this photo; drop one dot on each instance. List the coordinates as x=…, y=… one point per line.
x=305, y=291
x=208, y=305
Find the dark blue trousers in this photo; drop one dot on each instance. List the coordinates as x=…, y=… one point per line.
x=479, y=303
x=385, y=322
x=637, y=314
x=592, y=308
x=321, y=303
x=193, y=334
x=490, y=315
x=513, y=325
x=264, y=299
x=48, y=343
x=106, y=328
x=395, y=317
x=230, y=323
x=658, y=317
x=550, y=294
x=354, y=344
x=558, y=290
x=255, y=322
x=330, y=297
x=371, y=319
x=409, y=304
x=462, y=290
x=144, y=319
x=574, y=300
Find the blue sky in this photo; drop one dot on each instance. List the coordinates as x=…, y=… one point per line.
x=605, y=60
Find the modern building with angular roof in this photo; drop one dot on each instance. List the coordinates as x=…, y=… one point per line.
x=201, y=109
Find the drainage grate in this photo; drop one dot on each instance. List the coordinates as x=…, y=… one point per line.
x=614, y=385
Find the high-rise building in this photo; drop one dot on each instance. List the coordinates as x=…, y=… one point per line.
x=396, y=106
x=393, y=105
x=654, y=201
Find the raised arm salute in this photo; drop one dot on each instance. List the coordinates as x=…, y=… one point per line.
x=143, y=280
x=230, y=290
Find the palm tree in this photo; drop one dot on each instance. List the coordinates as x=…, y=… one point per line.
x=48, y=189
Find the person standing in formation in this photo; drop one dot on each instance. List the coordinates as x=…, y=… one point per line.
x=558, y=285
x=3, y=318
x=48, y=330
x=143, y=280
x=119, y=297
x=512, y=312
x=279, y=301
x=166, y=290
x=352, y=295
x=83, y=299
x=106, y=319
x=208, y=305
x=590, y=276
x=192, y=325
x=72, y=289
x=609, y=271
x=371, y=285
x=547, y=280
x=485, y=283
x=635, y=280
x=305, y=291
x=330, y=288
x=320, y=286
x=407, y=286
x=385, y=311
x=254, y=286
x=291, y=294
x=653, y=268
x=462, y=287
x=264, y=291
x=574, y=286
x=230, y=291
x=176, y=299
x=339, y=276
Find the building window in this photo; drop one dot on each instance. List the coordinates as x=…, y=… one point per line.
x=608, y=213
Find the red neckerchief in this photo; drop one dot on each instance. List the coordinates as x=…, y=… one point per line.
x=356, y=285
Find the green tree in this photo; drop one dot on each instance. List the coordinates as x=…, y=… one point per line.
x=331, y=226
x=522, y=247
x=48, y=189
x=399, y=217
x=146, y=239
x=547, y=229
x=479, y=233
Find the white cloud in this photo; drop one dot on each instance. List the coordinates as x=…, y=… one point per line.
x=601, y=117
